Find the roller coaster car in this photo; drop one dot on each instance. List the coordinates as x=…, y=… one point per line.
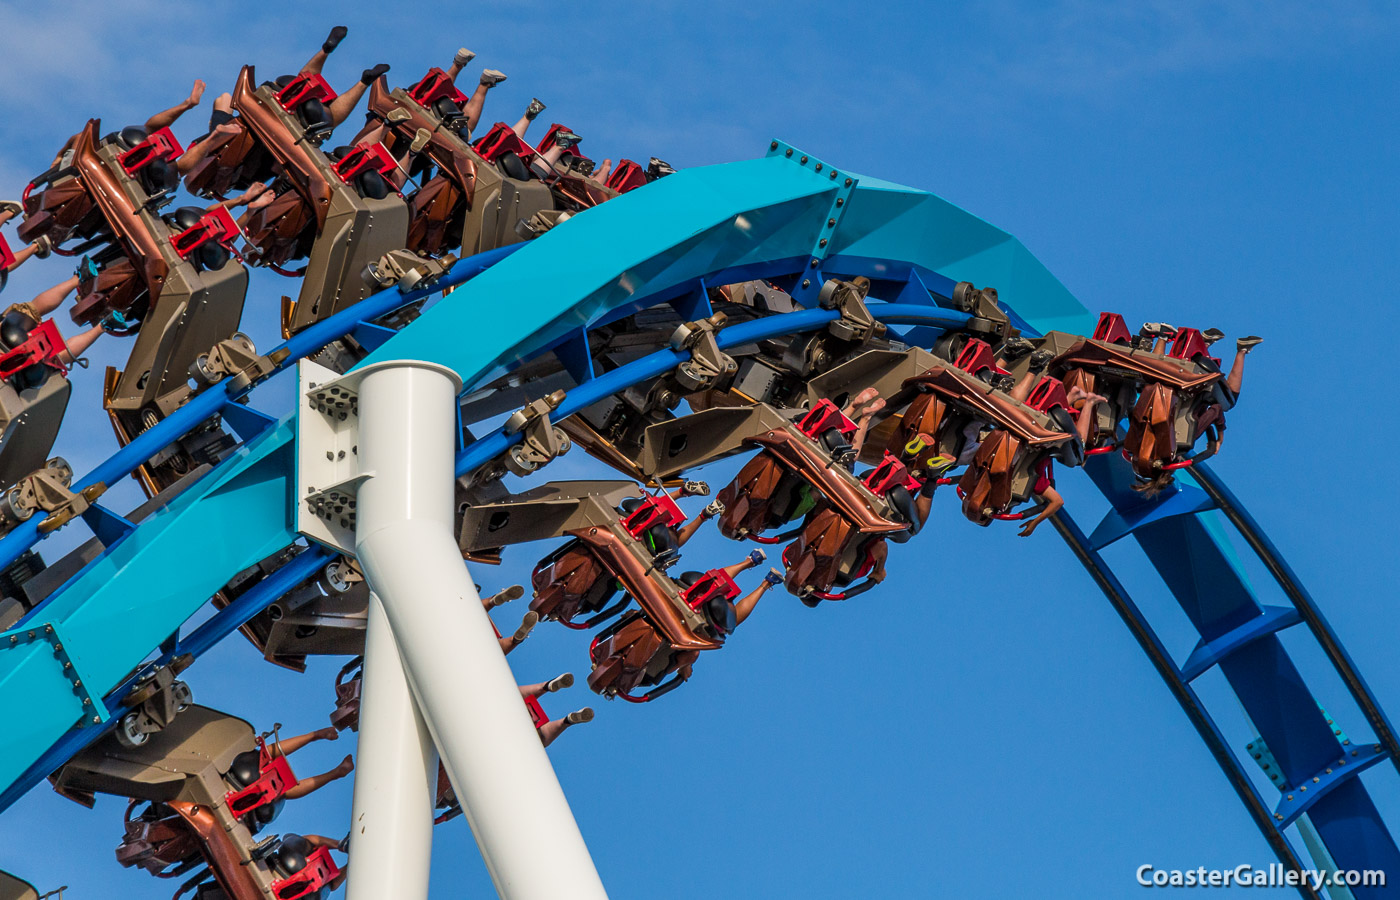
x=601, y=550
x=325, y=615
x=34, y=394
x=1164, y=395
x=192, y=772
x=634, y=652
x=470, y=201
x=832, y=551
x=169, y=278
x=340, y=212
x=813, y=452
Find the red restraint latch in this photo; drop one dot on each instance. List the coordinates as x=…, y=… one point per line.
x=501, y=140
x=365, y=156
x=656, y=510
x=158, y=145
x=433, y=87
x=548, y=140
x=1047, y=394
x=43, y=345
x=976, y=357
x=627, y=176
x=1188, y=344
x=823, y=417
x=1112, y=329
x=320, y=871
x=304, y=87
x=216, y=225
x=713, y=582
x=275, y=779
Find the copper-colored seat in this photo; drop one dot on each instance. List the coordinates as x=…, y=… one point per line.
x=831, y=552
x=633, y=653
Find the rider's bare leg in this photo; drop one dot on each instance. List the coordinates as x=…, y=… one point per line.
x=166, y=118
x=46, y=301
x=1053, y=503
x=288, y=746
x=1236, y=376
x=318, y=59
x=77, y=346
x=555, y=727
x=315, y=782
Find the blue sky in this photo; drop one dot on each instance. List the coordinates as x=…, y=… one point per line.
x=983, y=725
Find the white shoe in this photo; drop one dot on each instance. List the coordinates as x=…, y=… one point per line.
x=463, y=57
x=492, y=77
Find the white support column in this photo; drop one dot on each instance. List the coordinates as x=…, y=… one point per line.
x=465, y=690
x=391, y=824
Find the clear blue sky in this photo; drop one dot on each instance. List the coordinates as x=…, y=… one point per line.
x=983, y=725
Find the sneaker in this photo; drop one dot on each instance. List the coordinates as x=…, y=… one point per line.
x=12, y=207
x=1248, y=343
x=715, y=508
x=1041, y=358
x=558, y=684
x=579, y=716
x=1158, y=329
x=527, y=625
x=774, y=577
x=659, y=168
x=566, y=139
x=462, y=57
x=369, y=75
x=492, y=77
x=757, y=556
x=696, y=489
x=1212, y=335
x=534, y=109
x=43, y=247
x=1016, y=348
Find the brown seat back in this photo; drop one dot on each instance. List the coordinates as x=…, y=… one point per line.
x=929, y=415
x=283, y=230
x=564, y=582
x=630, y=654
x=814, y=560
x=1151, y=440
x=430, y=210
x=751, y=501
x=987, y=487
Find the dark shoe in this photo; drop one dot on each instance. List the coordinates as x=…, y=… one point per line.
x=774, y=577
x=757, y=556
x=1016, y=348
x=1212, y=335
x=659, y=168
x=337, y=35
x=1248, y=343
x=369, y=75
x=566, y=139
x=534, y=109
x=1040, y=359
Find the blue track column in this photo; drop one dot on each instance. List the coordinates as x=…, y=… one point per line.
x=1319, y=771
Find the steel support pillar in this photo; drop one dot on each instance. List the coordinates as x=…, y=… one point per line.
x=464, y=688
x=391, y=822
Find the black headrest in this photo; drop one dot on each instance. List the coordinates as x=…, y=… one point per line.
x=245, y=769
x=292, y=853
x=268, y=811
x=14, y=329
x=185, y=217
x=514, y=167
x=372, y=185
x=721, y=613
x=315, y=117
x=159, y=176
x=132, y=135
x=689, y=578
x=446, y=109
x=210, y=256
x=630, y=505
